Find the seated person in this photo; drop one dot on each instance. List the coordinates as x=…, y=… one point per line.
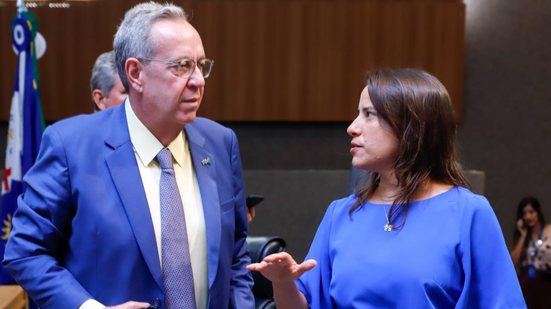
x=252, y=201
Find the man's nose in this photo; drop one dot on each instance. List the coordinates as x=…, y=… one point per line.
x=196, y=79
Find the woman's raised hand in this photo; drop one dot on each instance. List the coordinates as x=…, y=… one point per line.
x=281, y=267
x=521, y=227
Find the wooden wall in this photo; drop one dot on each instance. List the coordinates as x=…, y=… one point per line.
x=275, y=60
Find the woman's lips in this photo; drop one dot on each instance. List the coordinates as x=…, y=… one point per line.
x=354, y=147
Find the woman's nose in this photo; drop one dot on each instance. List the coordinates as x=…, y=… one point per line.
x=352, y=129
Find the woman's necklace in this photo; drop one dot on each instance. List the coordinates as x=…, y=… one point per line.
x=388, y=226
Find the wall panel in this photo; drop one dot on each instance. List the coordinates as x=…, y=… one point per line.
x=275, y=60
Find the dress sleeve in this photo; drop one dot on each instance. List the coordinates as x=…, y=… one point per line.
x=315, y=283
x=490, y=277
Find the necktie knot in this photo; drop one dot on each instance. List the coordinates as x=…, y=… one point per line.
x=164, y=157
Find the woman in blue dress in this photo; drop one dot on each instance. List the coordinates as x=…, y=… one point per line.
x=414, y=236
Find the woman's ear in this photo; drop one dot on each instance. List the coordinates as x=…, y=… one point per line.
x=133, y=68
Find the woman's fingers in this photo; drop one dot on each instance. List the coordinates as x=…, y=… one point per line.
x=308, y=264
x=280, y=267
x=281, y=257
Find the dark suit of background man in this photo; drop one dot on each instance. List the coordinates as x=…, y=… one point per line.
x=87, y=231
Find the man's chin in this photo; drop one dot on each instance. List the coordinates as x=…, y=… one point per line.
x=188, y=118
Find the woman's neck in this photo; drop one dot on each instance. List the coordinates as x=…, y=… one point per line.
x=388, y=190
x=536, y=231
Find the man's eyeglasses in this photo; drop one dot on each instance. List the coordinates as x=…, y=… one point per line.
x=184, y=68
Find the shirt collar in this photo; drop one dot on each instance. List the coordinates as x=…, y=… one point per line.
x=146, y=145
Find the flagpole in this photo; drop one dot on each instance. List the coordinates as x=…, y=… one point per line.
x=21, y=6
x=25, y=125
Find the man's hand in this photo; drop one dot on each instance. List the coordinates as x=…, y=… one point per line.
x=130, y=305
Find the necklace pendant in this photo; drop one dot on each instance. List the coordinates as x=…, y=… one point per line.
x=388, y=227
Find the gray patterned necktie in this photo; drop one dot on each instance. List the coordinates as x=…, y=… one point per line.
x=177, y=272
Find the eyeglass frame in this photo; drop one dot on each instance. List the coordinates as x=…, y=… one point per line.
x=176, y=63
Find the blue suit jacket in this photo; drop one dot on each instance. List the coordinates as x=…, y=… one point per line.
x=83, y=229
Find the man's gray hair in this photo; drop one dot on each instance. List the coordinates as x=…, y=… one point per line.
x=104, y=74
x=132, y=38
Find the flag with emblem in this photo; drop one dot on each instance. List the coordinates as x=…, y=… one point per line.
x=26, y=123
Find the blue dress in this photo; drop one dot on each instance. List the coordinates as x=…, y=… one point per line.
x=450, y=253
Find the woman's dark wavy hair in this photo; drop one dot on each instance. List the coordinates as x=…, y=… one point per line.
x=525, y=201
x=418, y=109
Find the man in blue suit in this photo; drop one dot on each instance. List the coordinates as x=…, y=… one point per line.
x=87, y=232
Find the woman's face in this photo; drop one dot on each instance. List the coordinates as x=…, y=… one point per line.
x=530, y=216
x=374, y=146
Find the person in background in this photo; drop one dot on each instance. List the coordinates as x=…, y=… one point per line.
x=140, y=205
x=105, y=84
x=531, y=253
x=414, y=236
x=252, y=202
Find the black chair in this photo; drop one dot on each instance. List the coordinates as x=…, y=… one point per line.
x=259, y=248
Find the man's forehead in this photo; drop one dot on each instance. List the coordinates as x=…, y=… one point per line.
x=171, y=23
x=171, y=36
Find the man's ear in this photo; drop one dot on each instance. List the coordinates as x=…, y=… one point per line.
x=99, y=99
x=133, y=68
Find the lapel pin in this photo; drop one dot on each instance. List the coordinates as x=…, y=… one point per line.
x=205, y=161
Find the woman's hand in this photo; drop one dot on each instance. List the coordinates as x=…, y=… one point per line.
x=281, y=267
x=521, y=227
x=282, y=270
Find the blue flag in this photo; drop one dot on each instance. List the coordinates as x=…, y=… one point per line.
x=25, y=127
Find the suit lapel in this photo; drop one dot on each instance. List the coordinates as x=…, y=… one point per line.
x=126, y=178
x=204, y=164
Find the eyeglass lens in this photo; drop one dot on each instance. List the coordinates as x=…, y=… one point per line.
x=187, y=66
